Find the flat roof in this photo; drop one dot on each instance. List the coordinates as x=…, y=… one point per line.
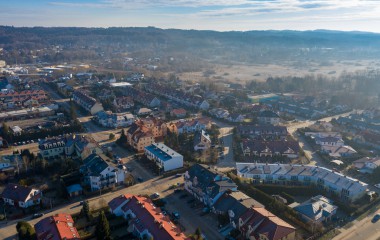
x=120, y=84
x=162, y=151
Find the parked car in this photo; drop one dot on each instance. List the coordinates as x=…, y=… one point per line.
x=377, y=185
x=375, y=218
x=178, y=175
x=155, y=195
x=175, y=215
x=140, y=179
x=37, y=215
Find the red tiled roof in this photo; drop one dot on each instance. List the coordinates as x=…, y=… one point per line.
x=57, y=227
x=149, y=217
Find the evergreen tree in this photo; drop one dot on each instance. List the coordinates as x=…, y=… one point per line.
x=102, y=230
x=86, y=209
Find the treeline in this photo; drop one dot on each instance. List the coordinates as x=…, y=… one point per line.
x=252, y=46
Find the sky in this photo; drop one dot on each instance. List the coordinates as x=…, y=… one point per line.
x=220, y=15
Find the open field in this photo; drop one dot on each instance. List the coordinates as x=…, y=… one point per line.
x=260, y=72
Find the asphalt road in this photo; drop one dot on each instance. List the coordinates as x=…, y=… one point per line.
x=189, y=217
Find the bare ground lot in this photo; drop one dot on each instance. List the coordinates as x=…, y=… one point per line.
x=260, y=72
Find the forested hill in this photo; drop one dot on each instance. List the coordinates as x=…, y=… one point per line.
x=250, y=46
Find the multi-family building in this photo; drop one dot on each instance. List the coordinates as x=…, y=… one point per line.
x=338, y=151
x=206, y=184
x=88, y=103
x=189, y=126
x=68, y=145
x=268, y=117
x=114, y=120
x=259, y=223
x=270, y=148
x=347, y=188
x=146, y=221
x=21, y=196
x=144, y=98
x=267, y=131
x=146, y=131
x=11, y=98
x=165, y=158
x=57, y=227
x=99, y=174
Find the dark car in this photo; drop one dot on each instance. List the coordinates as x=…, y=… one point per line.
x=140, y=179
x=175, y=215
x=37, y=215
x=376, y=218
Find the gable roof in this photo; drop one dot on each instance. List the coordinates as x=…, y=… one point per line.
x=148, y=217
x=17, y=192
x=57, y=227
x=209, y=180
x=266, y=223
x=94, y=164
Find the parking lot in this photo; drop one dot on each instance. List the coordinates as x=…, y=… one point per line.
x=191, y=212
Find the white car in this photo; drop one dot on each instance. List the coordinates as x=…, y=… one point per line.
x=377, y=185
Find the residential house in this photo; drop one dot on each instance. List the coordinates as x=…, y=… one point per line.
x=11, y=163
x=347, y=188
x=178, y=112
x=189, y=126
x=16, y=130
x=219, y=113
x=206, y=184
x=368, y=138
x=57, y=227
x=261, y=148
x=21, y=196
x=145, y=131
x=123, y=103
x=269, y=132
x=99, y=174
x=146, y=221
x=318, y=209
x=88, y=103
x=202, y=140
x=268, y=117
x=144, y=112
x=165, y=158
x=338, y=151
x=234, y=204
x=236, y=117
x=259, y=223
x=366, y=164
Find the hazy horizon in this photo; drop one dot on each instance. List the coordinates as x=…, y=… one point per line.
x=217, y=15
